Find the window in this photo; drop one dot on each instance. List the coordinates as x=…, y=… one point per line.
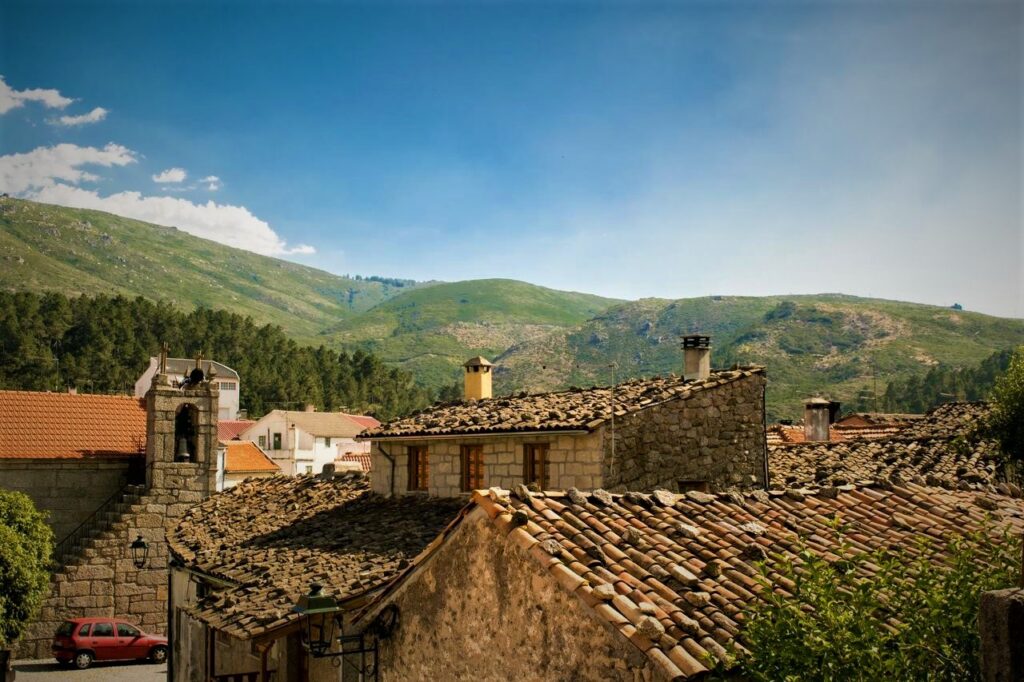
x=327, y=441
x=125, y=630
x=535, y=464
x=419, y=467
x=84, y=630
x=472, y=467
x=309, y=468
x=102, y=630
x=277, y=441
x=263, y=442
x=65, y=629
x=228, y=386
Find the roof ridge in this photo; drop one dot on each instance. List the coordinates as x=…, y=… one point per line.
x=123, y=396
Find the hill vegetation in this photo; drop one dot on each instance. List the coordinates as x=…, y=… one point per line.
x=843, y=347
x=102, y=344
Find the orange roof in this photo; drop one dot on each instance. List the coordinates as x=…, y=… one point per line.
x=229, y=429
x=361, y=458
x=366, y=421
x=245, y=457
x=70, y=426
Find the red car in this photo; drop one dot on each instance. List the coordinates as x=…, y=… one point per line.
x=84, y=640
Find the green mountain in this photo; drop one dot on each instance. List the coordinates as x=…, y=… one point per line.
x=844, y=347
x=431, y=331
x=73, y=251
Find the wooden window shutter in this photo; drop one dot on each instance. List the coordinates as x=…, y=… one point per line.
x=472, y=467
x=535, y=464
x=419, y=467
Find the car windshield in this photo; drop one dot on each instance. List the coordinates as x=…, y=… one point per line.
x=65, y=629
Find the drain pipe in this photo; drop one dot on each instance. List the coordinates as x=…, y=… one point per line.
x=392, y=460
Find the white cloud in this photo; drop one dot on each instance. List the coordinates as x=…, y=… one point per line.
x=213, y=183
x=94, y=116
x=12, y=99
x=171, y=175
x=44, y=166
x=232, y=225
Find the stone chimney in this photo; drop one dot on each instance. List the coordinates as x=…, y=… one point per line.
x=696, y=357
x=816, y=420
x=478, y=378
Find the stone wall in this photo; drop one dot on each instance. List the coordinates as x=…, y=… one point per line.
x=103, y=580
x=488, y=605
x=716, y=436
x=69, y=490
x=573, y=461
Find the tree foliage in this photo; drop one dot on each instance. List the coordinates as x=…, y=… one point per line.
x=26, y=543
x=913, y=618
x=102, y=344
x=941, y=384
x=1006, y=420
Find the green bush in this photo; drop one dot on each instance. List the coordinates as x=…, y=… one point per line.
x=914, y=617
x=1006, y=420
x=26, y=545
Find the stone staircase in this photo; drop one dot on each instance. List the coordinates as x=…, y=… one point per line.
x=75, y=548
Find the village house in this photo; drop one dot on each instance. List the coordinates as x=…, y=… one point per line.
x=702, y=430
x=240, y=460
x=302, y=442
x=227, y=380
x=109, y=470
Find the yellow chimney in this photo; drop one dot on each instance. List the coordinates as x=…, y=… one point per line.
x=478, y=378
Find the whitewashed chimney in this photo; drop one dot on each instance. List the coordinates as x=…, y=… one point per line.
x=816, y=419
x=696, y=357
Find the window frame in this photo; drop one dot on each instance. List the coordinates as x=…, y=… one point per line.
x=534, y=454
x=470, y=455
x=276, y=441
x=98, y=625
x=418, y=463
x=262, y=440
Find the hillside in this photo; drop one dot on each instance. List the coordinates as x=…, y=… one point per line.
x=73, y=251
x=431, y=331
x=830, y=344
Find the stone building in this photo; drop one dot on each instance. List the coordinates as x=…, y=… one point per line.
x=242, y=558
x=703, y=430
x=173, y=466
x=631, y=587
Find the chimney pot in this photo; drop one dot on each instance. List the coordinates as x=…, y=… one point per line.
x=72, y=390
x=477, y=384
x=816, y=420
x=696, y=357
x=310, y=407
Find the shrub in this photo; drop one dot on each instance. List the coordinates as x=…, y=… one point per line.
x=914, y=617
x=26, y=544
x=1006, y=420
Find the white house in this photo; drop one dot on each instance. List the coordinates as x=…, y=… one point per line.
x=238, y=460
x=178, y=370
x=302, y=442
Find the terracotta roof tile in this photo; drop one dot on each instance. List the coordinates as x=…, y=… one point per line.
x=229, y=429
x=245, y=457
x=363, y=459
x=672, y=598
x=70, y=426
x=942, y=448
x=269, y=537
x=575, y=409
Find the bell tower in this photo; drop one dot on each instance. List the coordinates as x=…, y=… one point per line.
x=181, y=431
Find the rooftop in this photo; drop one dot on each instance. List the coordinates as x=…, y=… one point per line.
x=942, y=448
x=572, y=410
x=231, y=429
x=326, y=424
x=245, y=457
x=268, y=538
x=182, y=366
x=674, y=573
x=70, y=426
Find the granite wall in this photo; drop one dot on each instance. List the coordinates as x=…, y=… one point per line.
x=497, y=615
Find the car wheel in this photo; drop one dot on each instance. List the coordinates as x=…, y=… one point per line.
x=83, y=659
x=158, y=654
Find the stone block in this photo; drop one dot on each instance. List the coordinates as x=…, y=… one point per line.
x=1001, y=629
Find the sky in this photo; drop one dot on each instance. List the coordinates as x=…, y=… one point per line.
x=623, y=149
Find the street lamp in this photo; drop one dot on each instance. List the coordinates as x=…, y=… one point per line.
x=140, y=551
x=320, y=611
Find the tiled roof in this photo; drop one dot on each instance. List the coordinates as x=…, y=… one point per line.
x=779, y=434
x=270, y=537
x=229, y=429
x=363, y=459
x=674, y=573
x=324, y=424
x=70, y=426
x=245, y=457
x=366, y=421
x=943, y=448
x=877, y=418
x=575, y=409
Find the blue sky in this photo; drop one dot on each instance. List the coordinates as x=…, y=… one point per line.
x=623, y=149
